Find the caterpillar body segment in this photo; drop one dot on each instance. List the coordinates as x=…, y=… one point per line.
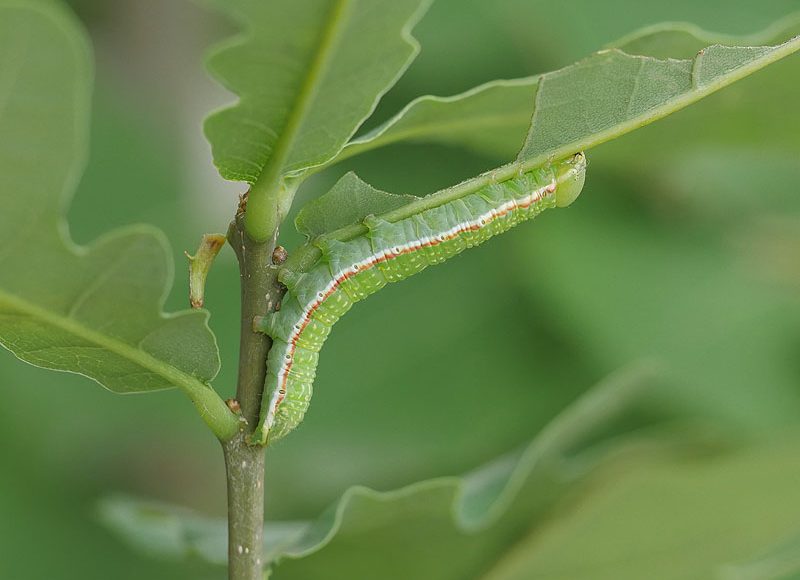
x=351, y=270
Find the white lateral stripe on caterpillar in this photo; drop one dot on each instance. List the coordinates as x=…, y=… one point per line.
x=481, y=221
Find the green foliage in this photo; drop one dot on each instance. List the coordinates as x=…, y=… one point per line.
x=615, y=530
x=492, y=118
x=329, y=61
x=627, y=91
x=347, y=203
x=59, y=304
x=170, y=532
x=660, y=259
x=480, y=515
x=685, y=40
x=509, y=519
x=708, y=518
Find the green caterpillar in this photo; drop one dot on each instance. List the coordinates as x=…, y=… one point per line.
x=389, y=252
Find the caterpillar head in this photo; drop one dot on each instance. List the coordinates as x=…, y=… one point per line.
x=570, y=176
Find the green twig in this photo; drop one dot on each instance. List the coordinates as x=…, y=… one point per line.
x=260, y=293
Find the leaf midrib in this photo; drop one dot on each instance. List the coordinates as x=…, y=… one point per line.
x=299, y=110
x=268, y=183
x=177, y=377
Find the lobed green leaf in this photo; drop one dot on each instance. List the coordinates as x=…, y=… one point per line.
x=94, y=311
x=602, y=97
x=307, y=73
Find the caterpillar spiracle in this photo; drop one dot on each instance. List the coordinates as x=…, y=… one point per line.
x=351, y=270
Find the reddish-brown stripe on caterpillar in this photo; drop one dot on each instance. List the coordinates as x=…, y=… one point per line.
x=320, y=294
x=473, y=225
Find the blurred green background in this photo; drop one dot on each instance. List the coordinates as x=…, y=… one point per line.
x=683, y=247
